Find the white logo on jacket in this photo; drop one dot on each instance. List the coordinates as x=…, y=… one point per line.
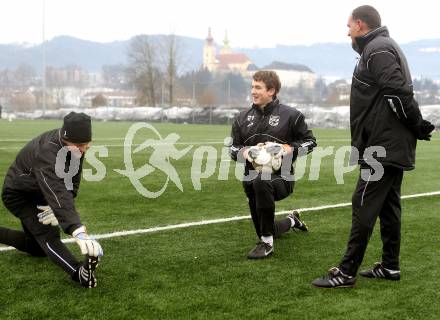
x=274, y=120
x=250, y=119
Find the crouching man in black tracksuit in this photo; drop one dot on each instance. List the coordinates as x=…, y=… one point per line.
x=383, y=113
x=37, y=191
x=286, y=135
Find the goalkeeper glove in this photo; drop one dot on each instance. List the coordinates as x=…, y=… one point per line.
x=87, y=244
x=278, y=150
x=46, y=216
x=251, y=153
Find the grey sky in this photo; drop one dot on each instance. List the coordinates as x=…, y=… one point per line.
x=257, y=23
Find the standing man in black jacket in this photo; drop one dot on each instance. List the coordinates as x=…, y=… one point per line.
x=383, y=116
x=284, y=132
x=39, y=191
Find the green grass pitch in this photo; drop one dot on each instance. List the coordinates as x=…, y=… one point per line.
x=202, y=272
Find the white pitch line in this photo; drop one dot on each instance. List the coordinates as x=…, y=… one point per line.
x=215, y=221
x=122, y=139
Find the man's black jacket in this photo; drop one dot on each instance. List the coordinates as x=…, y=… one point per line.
x=33, y=172
x=276, y=123
x=383, y=111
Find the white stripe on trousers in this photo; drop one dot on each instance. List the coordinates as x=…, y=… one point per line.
x=59, y=257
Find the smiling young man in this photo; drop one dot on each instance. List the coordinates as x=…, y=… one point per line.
x=35, y=191
x=285, y=130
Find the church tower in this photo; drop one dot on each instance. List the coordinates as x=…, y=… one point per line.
x=226, y=47
x=209, y=53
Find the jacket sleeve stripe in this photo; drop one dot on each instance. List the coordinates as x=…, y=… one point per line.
x=307, y=144
x=400, y=103
x=368, y=85
x=374, y=53
x=55, y=196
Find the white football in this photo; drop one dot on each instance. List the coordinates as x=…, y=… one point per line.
x=265, y=161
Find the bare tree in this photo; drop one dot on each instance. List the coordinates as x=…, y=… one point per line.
x=23, y=101
x=170, y=56
x=142, y=71
x=171, y=66
x=7, y=79
x=56, y=81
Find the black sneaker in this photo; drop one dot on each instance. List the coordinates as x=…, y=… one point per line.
x=262, y=250
x=299, y=224
x=85, y=274
x=335, y=279
x=379, y=272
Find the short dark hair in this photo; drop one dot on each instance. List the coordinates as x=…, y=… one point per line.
x=270, y=79
x=367, y=14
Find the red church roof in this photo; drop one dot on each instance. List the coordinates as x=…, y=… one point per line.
x=232, y=58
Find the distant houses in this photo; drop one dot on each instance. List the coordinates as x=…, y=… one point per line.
x=293, y=75
x=109, y=99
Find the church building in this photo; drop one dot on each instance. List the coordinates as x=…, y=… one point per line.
x=226, y=60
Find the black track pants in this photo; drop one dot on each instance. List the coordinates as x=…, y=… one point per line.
x=36, y=239
x=370, y=200
x=262, y=195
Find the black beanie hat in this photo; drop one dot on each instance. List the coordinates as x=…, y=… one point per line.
x=77, y=128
